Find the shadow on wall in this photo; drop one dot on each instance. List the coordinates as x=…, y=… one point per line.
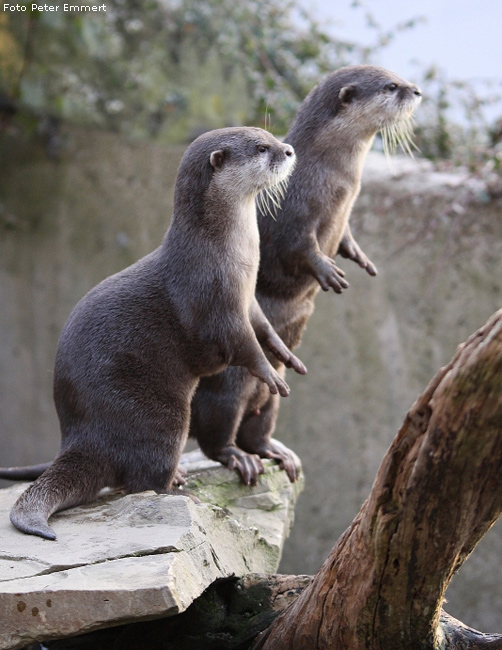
x=370, y=352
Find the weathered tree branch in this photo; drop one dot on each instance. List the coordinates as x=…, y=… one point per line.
x=458, y=636
x=437, y=492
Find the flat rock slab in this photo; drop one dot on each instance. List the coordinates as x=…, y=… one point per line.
x=139, y=556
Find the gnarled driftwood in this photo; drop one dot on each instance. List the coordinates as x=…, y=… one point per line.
x=437, y=492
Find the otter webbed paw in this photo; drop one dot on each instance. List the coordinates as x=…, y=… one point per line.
x=271, y=377
x=268, y=338
x=350, y=249
x=285, y=457
x=179, y=477
x=249, y=466
x=328, y=274
x=276, y=384
x=280, y=350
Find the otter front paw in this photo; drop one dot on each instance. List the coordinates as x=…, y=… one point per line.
x=350, y=249
x=274, y=381
x=329, y=275
x=284, y=354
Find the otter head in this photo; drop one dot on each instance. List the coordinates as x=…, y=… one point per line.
x=252, y=161
x=386, y=101
x=356, y=102
x=232, y=165
x=380, y=96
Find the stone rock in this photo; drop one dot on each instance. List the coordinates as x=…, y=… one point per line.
x=228, y=616
x=139, y=556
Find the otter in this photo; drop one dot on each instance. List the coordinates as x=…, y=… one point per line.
x=233, y=418
x=134, y=348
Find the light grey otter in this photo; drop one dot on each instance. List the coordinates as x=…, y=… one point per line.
x=233, y=418
x=132, y=351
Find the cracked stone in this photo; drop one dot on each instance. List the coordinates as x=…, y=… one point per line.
x=139, y=556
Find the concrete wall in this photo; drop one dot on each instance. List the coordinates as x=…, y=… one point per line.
x=436, y=239
x=64, y=226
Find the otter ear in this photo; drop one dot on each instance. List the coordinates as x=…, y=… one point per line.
x=216, y=159
x=346, y=94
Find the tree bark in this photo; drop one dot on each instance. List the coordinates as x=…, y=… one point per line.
x=436, y=494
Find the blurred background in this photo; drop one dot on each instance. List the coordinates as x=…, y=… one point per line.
x=95, y=112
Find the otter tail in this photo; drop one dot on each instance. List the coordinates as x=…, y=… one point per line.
x=32, y=522
x=26, y=473
x=72, y=479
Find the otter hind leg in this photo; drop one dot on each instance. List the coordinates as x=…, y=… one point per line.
x=72, y=479
x=217, y=411
x=255, y=437
x=153, y=459
x=161, y=477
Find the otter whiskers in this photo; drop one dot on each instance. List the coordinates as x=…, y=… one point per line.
x=399, y=134
x=269, y=200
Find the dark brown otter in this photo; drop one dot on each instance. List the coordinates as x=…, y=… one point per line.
x=233, y=418
x=133, y=349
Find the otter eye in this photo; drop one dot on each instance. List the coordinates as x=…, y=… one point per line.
x=391, y=86
x=262, y=148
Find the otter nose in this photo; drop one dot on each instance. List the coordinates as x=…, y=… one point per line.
x=288, y=150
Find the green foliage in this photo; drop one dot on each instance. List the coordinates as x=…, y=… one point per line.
x=454, y=123
x=169, y=68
